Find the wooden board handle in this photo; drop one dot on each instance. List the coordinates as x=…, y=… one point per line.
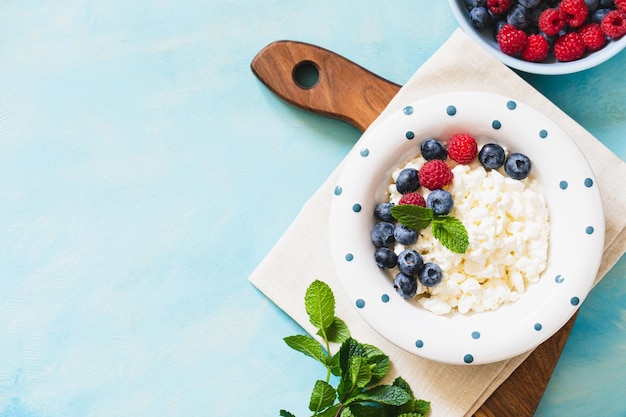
x=344, y=90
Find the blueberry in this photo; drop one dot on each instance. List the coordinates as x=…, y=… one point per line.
x=382, y=212
x=404, y=235
x=431, y=149
x=405, y=285
x=592, y=5
x=517, y=166
x=491, y=156
x=535, y=12
x=480, y=17
x=440, y=201
x=606, y=4
x=529, y=4
x=599, y=14
x=498, y=25
x=382, y=234
x=518, y=16
x=471, y=4
x=430, y=275
x=410, y=262
x=407, y=181
x=385, y=258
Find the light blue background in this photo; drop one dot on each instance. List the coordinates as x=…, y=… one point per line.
x=145, y=173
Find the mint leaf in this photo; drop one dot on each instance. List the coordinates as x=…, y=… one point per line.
x=330, y=412
x=451, y=233
x=323, y=396
x=402, y=384
x=335, y=368
x=338, y=331
x=419, y=406
x=348, y=349
x=368, y=410
x=378, y=359
x=346, y=412
x=284, y=413
x=415, y=217
x=382, y=394
x=319, y=303
x=359, y=372
x=306, y=345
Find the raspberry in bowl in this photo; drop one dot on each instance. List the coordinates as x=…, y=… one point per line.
x=545, y=36
x=470, y=331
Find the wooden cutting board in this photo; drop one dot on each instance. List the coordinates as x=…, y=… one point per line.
x=320, y=81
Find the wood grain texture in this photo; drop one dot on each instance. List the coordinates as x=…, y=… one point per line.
x=349, y=92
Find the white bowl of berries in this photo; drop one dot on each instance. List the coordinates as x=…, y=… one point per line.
x=546, y=36
x=458, y=231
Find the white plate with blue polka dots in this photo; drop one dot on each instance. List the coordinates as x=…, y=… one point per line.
x=576, y=238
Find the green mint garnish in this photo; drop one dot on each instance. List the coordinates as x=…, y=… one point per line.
x=449, y=230
x=358, y=366
x=451, y=233
x=415, y=217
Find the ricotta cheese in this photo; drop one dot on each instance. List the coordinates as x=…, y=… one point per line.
x=508, y=226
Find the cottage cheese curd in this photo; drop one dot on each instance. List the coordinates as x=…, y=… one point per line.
x=507, y=222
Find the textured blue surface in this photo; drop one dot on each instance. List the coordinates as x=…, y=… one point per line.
x=146, y=172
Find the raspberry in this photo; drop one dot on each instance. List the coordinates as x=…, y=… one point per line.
x=614, y=24
x=462, y=148
x=569, y=47
x=575, y=12
x=414, y=199
x=551, y=21
x=511, y=40
x=536, y=49
x=593, y=37
x=435, y=174
x=499, y=6
x=621, y=5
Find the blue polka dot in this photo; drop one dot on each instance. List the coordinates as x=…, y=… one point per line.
x=360, y=303
x=349, y=257
x=468, y=358
x=338, y=190
x=589, y=230
x=588, y=182
x=384, y=298
x=451, y=110
x=409, y=135
x=538, y=326
x=574, y=301
x=364, y=152
x=511, y=105
x=543, y=133
x=496, y=124
x=419, y=344
x=408, y=110
x=563, y=185
x=356, y=208
x=559, y=279
x=475, y=335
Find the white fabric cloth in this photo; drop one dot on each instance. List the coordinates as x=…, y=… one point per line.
x=454, y=391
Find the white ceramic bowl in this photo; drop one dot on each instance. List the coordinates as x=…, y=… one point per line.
x=551, y=66
x=575, y=244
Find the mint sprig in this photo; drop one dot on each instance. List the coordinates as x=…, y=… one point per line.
x=449, y=230
x=358, y=368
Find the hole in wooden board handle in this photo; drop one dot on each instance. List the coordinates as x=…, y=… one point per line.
x=343, y=89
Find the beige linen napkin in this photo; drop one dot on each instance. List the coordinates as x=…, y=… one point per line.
x=460, y=64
